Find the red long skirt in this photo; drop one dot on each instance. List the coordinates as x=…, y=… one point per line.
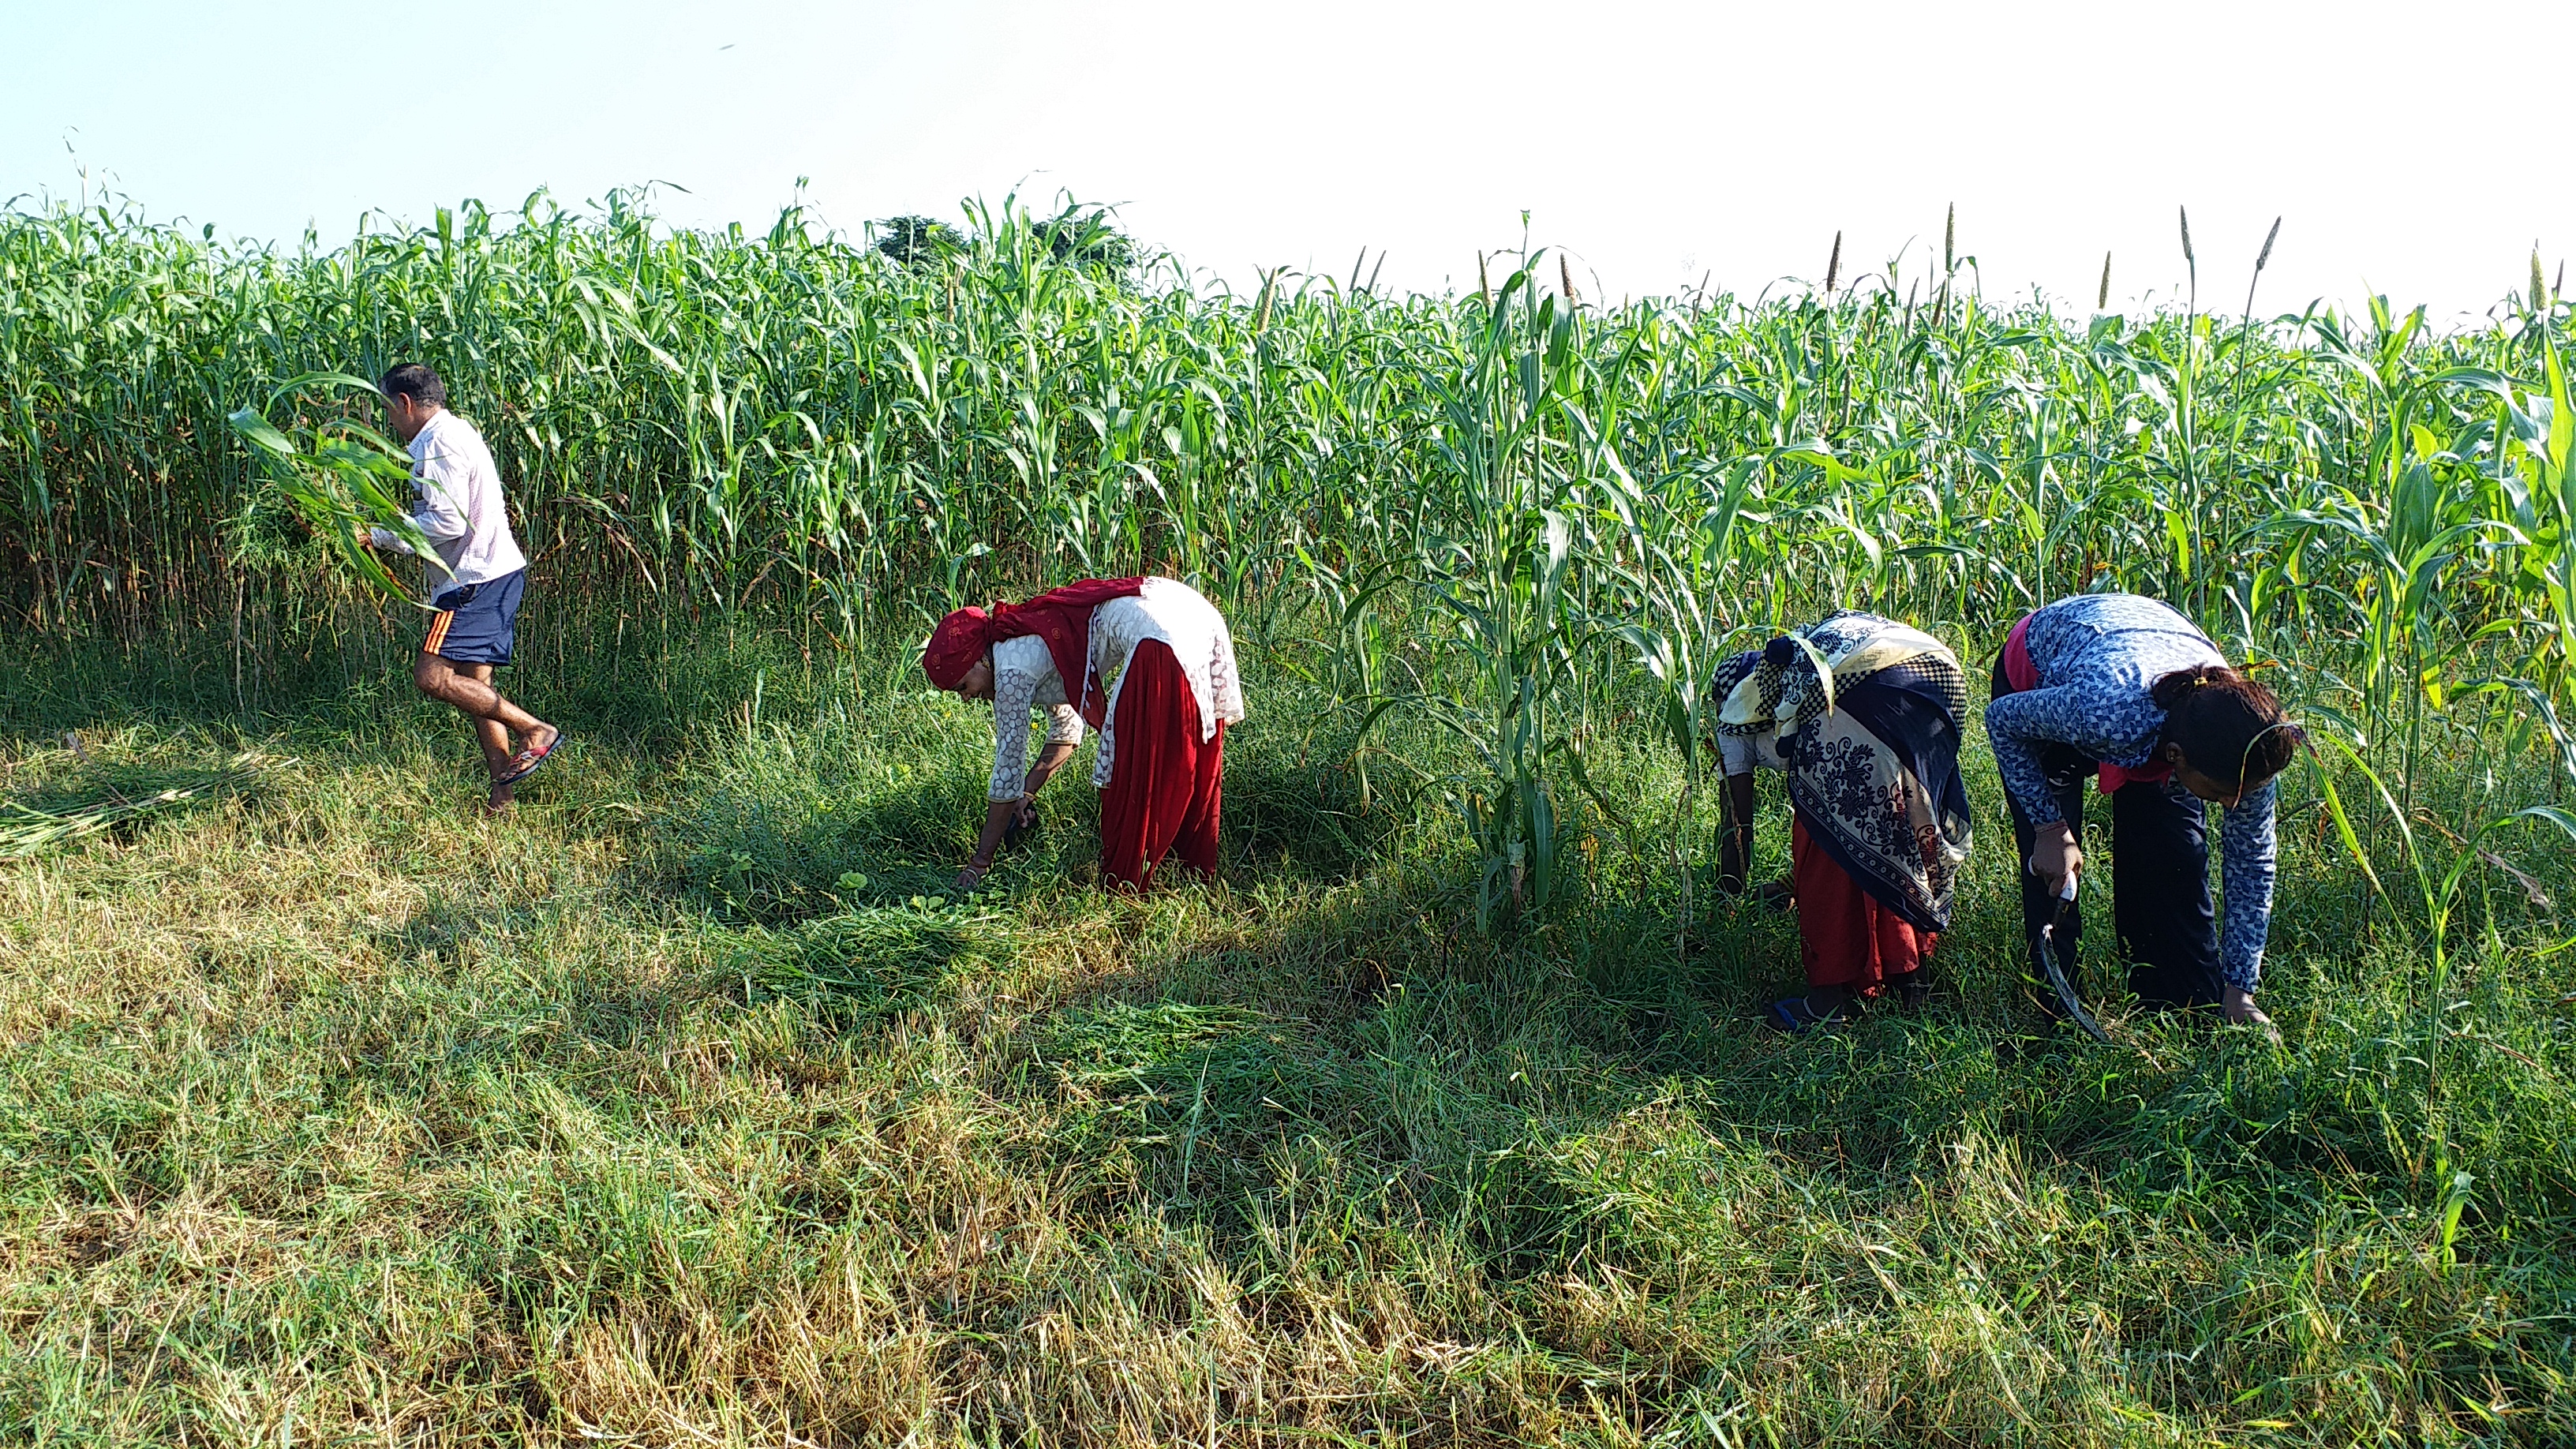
x=1846, y=938
x=1166, y=786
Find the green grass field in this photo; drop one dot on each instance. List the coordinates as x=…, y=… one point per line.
x=679, y=1110
x=683, y=1109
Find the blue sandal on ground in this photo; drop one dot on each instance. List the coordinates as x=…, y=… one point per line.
x=1794, y=1016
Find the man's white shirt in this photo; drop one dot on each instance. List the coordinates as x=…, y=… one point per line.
x=456, y=492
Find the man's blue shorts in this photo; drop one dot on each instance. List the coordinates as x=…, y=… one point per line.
x=476, y=624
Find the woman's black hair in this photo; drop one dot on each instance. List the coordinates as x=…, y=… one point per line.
x=2228, y=725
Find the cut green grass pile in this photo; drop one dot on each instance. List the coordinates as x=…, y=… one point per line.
x=683, y=1108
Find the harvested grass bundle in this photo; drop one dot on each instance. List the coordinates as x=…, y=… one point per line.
x=25, y=830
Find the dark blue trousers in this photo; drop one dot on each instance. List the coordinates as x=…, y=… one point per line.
x=2160, y=902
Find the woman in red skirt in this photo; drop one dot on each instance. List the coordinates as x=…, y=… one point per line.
x=1862, y=715
x=1149, y=663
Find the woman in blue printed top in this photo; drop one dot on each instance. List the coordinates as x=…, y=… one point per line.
x=2125, y=687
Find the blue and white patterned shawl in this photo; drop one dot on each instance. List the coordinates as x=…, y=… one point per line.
x=1870, y=743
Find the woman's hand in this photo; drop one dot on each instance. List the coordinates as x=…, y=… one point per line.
x=2054, y=855
x=998, y=815
x=2241, y=1009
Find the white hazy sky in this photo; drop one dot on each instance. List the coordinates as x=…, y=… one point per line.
x=2419, y=151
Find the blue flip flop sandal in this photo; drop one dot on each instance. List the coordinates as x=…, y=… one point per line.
x=1794, y=1016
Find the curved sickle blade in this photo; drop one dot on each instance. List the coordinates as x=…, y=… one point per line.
x=2046, y=959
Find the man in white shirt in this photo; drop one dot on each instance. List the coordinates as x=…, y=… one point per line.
x=474, y=581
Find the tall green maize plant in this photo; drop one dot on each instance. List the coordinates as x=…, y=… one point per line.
x=789, y=422
x=2548, y=435
x=1496, y=566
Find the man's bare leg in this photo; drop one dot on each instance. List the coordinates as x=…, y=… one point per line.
x=494, y=736
x=469, y=688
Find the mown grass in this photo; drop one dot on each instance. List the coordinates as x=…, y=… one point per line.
x=332, y=1114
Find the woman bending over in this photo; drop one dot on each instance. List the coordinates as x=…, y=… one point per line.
x=2124, y=687
x=1879, y=819
x=1147, y=662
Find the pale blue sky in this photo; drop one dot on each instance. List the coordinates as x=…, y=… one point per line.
x=2421, y=152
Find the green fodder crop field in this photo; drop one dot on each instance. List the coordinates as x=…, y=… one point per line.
x=685, y=1107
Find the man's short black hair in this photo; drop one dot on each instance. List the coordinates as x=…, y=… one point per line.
x=414, y=380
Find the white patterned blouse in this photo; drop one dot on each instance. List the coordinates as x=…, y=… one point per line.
x=1025, y=678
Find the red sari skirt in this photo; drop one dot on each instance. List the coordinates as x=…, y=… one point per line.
x=1166, y=785
x=1846, y=938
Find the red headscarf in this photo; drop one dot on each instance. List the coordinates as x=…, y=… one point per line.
x=1061, y=617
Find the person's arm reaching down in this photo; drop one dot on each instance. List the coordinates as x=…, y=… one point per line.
x=2248, y=852
x=1007, y=794
x=2018, y=725
x=1063, y=736
x=1739, y=756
